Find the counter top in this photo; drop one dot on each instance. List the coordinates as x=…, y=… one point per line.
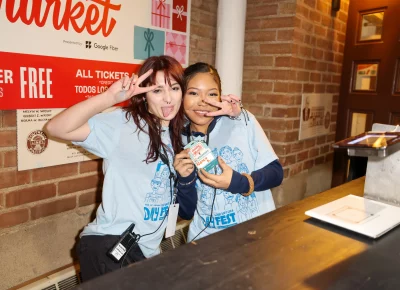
x=284, y=249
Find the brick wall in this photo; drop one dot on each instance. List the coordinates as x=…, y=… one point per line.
x=293, y=47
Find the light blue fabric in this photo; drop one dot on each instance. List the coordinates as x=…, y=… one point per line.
x=133, y=191
x=244, y=148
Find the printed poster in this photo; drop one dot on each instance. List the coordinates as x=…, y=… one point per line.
x=316, y=112
x=59, y=53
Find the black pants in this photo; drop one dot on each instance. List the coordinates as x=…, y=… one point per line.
x=93, y=259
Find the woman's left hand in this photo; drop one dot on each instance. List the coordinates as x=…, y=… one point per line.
x=230, y=105
x=218, y=181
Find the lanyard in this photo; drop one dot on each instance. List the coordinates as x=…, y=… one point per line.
x=165, y=160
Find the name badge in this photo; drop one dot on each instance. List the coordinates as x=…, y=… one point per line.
x=172, y=218
x=201, y=155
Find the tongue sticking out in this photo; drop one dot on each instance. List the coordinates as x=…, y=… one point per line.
x=166, y=111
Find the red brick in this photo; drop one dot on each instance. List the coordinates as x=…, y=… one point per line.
x=258, y=60
x=315, y=16
x=256, y=110
x=321, y=140
x=30, y=194
x=297, y=62
x=278, y=22
x=53, y=172
x=303, y=76
x=208, y=19
x=283, y=61
x=296, y=147
x=302, y=156
x=282, y=149
x=276, y=48
x=14, y=178
x=285, y=172
x=326, y=78
x=326, y=21
x=328, y=56
x=342, y=16
x=295, y=169
x=320, y=89
x=324, y=149
x=303, y=10
x=329, y=157
x=274, y=124
x=318, y=54
x=307, y=26
x=321, y=66
x=319, y=160
x=287, y=8
x=257, y=86
x=322, y=7
x=9, y=119
x=288, y=160
x=12, y=218
x=10, y=159
x=308, y=88
x=275, y=74
x=285, y=35
x=287, y=87
x=8, y=138
x=310, y=3
x=320, y=31
x=92, y=165
x=54, y=207
x=249, y=74
x=311, y=65
x=314, y=152
x=304, y=51
x=330, y=138
x=262, y=10
x=308, y=164
x=88, y=198
x=315, y=77
x=309, y=143
x=275, y=99
x=333, y=89
x=79, y=184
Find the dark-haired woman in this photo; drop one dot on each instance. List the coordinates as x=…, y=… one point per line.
x=239, y=188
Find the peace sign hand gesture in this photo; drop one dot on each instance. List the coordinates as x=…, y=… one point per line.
x=126, y=88
x=230, y=105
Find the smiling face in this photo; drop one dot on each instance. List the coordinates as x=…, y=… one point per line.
x=200, y=87
x=165, y=100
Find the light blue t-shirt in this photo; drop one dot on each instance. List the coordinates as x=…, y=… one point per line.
x=245, y=148
x=133, y=191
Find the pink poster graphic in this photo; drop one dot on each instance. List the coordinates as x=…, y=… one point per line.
x=175, y=46
x=160, y=14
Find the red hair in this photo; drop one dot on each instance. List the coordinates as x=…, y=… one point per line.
x=139, y=112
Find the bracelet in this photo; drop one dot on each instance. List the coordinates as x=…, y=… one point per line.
x=251, y=184
x=190, y=182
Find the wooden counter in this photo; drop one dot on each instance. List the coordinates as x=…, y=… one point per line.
x=284, y=249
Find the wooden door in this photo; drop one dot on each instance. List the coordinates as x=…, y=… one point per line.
x=370, y=85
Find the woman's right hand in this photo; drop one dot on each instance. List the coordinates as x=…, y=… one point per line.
x=126, y=88
x=183, y=164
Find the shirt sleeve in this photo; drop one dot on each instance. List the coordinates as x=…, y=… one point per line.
x=265, y=178
x=187, y=195
x=104, y=133
x=261, y=148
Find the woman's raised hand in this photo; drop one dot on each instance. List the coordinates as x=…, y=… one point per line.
x=126, y=88
x=230, y=105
